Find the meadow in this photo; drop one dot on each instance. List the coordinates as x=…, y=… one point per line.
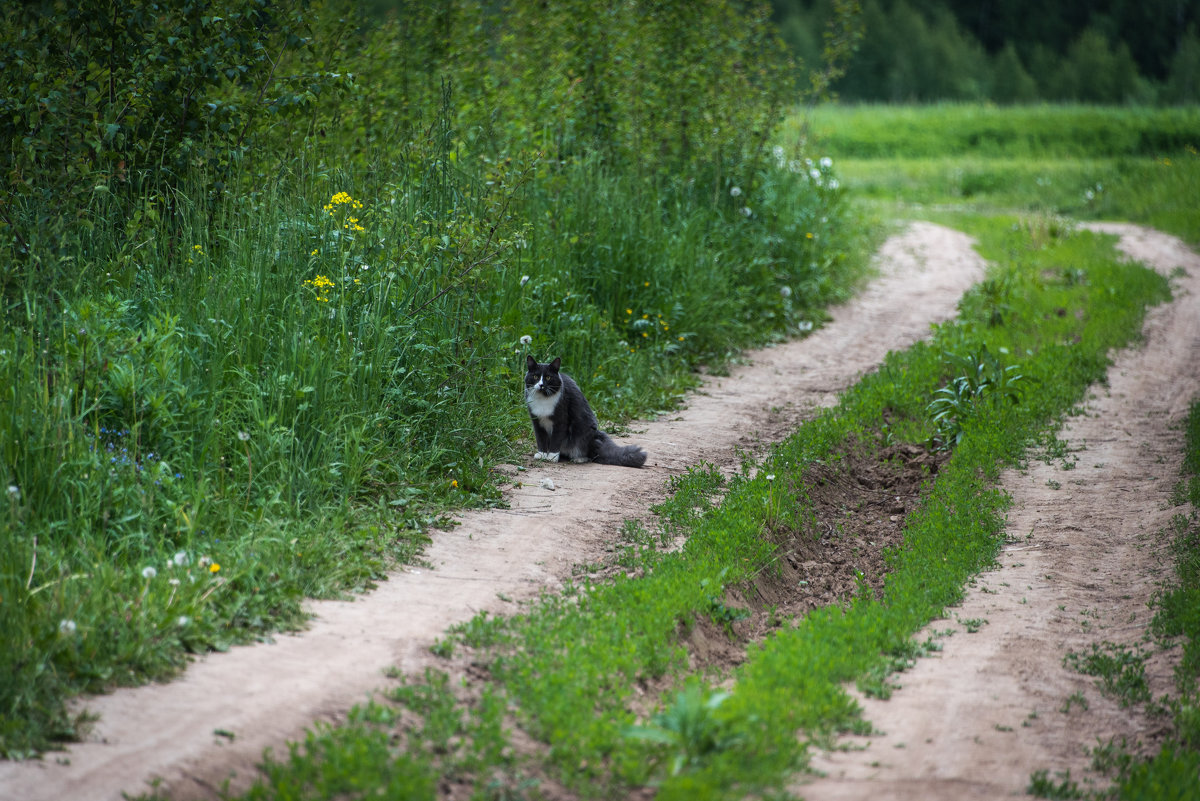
x=1087, y=162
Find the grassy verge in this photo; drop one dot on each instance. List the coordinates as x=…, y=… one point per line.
x=607, y=688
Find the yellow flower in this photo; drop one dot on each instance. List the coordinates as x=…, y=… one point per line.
x=214, y=567
x=629, y=311
x=454, y=484
x=809, y=235
x=315, y=251
x=646, y=284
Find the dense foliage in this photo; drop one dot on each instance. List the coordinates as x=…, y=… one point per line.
x=1111, y=51
x=268, y=273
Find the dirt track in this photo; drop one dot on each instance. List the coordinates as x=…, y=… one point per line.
x=1087, y=551
x=268, y=694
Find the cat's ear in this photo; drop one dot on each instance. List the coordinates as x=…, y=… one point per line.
x=530, y=363
x=554, y=365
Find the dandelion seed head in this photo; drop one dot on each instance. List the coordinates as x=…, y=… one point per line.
x=243, y=436
x=14, y=491
x=525, y=340
x=66, y=626
x=746, y=212
x=148, y=572
x=524, y=280
x=735, y=191
x=785, y=291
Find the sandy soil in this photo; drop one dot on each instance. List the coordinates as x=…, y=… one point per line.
x=265, y=695
x=1087, y=550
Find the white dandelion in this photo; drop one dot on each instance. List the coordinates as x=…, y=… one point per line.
x=148, y=572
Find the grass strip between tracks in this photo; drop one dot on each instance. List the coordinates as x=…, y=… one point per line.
x=592, y=691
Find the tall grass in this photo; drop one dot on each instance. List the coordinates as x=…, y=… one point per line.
x=218, y=406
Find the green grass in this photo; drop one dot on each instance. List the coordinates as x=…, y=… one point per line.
x=1137, y=165
x=217, y=408
x=569, y=667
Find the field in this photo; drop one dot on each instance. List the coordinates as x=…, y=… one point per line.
x=701, y=651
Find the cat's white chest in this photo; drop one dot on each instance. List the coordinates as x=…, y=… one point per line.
x=542, y=407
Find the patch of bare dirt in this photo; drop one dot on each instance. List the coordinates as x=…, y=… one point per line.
x=266, y=695
x=1088, y=536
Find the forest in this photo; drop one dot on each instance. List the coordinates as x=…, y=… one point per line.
x=1011, y=51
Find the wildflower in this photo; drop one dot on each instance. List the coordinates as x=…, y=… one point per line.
x=770, y=476
x=214, y=567
x=826, y=162
x=525, y=340
x=14, y=492
x=833, y=183
x=809, y=235
x=746, y=211
x=148, y=572
x=629, y=311
x=785, y=291
x=205, y=561
x=66, y=626
x=524, y=280
x=645, y=283
x=180, y=558
x=735, y=191
x=315, y=251
x=182, y=621
x=243, y=436
x=454, y=484
x=174, y=582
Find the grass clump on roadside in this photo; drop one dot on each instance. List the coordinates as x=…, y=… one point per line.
x=580, y=670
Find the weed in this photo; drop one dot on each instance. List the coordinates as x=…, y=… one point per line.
x=690, y=728
x=1076, y=698
x=1042, y=786
x=1121, y=670
x=980, y=375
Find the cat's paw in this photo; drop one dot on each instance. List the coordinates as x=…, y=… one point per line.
x=580, y=459
x=546, y=457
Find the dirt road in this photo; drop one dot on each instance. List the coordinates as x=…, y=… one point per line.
x=1088, y=535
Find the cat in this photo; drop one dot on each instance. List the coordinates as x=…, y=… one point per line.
x=564, y=425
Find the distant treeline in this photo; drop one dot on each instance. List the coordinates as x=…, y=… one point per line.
x=1011, y=51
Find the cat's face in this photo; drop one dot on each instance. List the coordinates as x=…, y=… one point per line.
x=542, y=378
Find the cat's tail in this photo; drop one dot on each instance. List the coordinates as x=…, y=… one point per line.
x=609, y=452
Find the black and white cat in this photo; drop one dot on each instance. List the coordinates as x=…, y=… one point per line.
x=563, y=423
